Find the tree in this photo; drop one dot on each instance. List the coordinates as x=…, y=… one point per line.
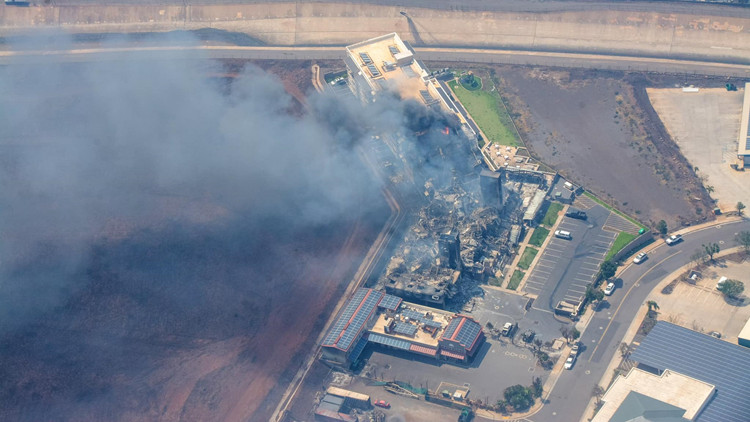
x=593, y=294
x=711, y=250
x=518, y=396
x=652, y=305
x=570, y=334
x=732, y=288
x=607, y=269
x=699, y=256
x=740, y=208
x=624, y=349
x=537, y=388
x=743, y=239
x=574, y=334
x=662, y=227
x=709, y=189
x=597, y=391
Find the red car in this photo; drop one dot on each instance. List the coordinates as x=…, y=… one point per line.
x=382, y=403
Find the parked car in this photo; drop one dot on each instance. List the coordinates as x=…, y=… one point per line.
x=640, y=258
x=574, y=213
x=574, y=350
x=508, y=329
x=570, y=362
x=609, y=289
x=562, y=234
x=721, y=282
x=715, y=334
x=382, y=403
x=675, y=238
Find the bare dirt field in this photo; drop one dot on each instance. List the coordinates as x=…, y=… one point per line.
x=168, y=321
x=596, y=129
x=705, y=126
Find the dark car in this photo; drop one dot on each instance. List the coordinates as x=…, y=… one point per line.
x=574, y=213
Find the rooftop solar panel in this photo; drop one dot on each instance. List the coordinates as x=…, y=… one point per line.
x=393, y=49
x=451, y=328
x=703, y=357
x=352, y=319
x=390, y=302
x=365, y=58
x=405, y=329
x=431, y=323
x=468, y=333
x=389, y=341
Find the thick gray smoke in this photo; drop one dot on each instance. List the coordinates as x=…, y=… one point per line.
x=146, y=209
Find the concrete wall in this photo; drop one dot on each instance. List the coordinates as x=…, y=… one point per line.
x=628, y=33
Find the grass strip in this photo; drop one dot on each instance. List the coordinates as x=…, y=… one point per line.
x=537, y=238
x=550, y=218
x=527, y=257
x=614, y=210
x=515, y=279
x=622, y=240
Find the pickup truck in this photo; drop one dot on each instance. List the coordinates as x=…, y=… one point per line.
x=508, y=329
x=675, y=238
x=574, y=213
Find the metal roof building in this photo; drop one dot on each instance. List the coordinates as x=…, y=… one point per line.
x=371, y=316
x=723, y=364
x=743, y=142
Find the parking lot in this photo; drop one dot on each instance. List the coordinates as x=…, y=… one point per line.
x=499, y=364
x=567, y=266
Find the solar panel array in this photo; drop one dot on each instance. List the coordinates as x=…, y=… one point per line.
x=390, y=302
x=468, y=333
x=390, y=341
x=705, y=358
x=373, y=70
x=404, y=328
x=431, y=323
x=351, y=321
x=393, y=49
x=365, y=58
x=451, y=328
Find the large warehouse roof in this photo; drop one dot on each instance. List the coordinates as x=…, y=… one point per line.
x=723, y=364
x=744, y=139
x=352, y=320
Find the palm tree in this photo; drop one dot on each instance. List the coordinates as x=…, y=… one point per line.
x=709, y=189
x=652, y=305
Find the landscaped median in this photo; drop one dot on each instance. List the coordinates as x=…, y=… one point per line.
x=622, y=240
x=553, y=211
x=515, y=279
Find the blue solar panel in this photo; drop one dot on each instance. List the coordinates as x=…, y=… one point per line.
x=349, y=324
x=431, y=323
x=451, y=328
x=703, y=357
x=468, y=333
x=405, y=329
x=390, y=302
x=389, y=341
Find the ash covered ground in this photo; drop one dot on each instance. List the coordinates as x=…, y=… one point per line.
x=172, y=242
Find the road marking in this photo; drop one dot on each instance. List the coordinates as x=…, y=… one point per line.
x=636, y=284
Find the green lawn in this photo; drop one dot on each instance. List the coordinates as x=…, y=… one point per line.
x=494, y=282
x=537, y=238
x=622, y=239
x=488, y=113
x=551, y=216
x=528, y=255
x=515, y=279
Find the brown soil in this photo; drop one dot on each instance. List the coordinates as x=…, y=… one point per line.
x=599, y=130
x=195, y=325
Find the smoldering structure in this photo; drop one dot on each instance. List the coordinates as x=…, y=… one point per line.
x=466, y=220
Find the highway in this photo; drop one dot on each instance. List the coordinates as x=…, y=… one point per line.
x=441, y=54
x=607, y=328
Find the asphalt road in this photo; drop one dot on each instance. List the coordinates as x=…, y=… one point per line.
x=606, y=330
x=480, y=5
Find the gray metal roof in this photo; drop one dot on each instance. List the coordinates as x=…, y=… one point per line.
x=637, y=406
x=717, y=362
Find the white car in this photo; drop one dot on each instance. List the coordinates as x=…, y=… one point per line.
x=640, y=258
x=562, y=234
x=570, y=362
x=675, y=238
x=721, y=282
x=609, y=289
x=574, y=351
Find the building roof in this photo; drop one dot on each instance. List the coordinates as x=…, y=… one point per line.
x=744, y=138
x=464, y=330
x=352, y=319
x=637, y=407
x=348, y=394
x=685, y=393
x=745, y=333
x=390, y=302
x=708, y=359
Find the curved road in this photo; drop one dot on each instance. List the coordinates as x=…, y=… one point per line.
x=607, y=328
